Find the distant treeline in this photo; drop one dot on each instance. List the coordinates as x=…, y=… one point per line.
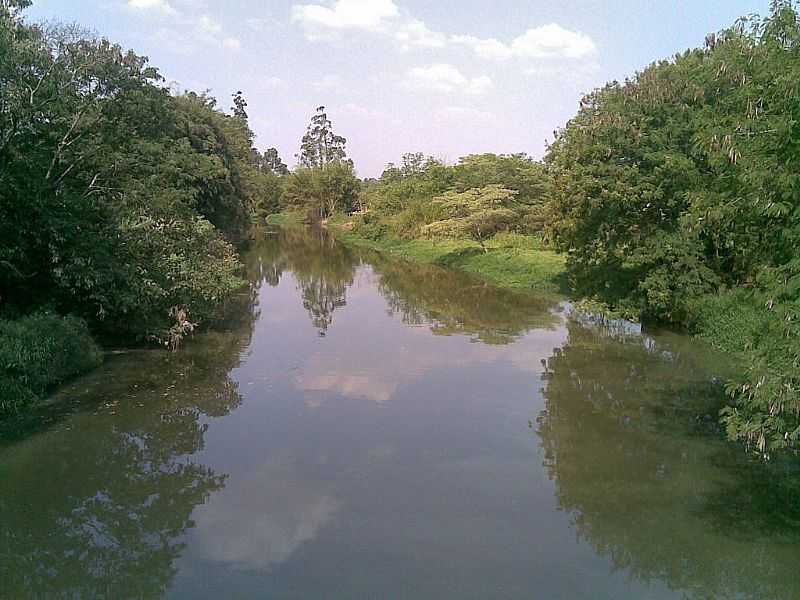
x=119, y=202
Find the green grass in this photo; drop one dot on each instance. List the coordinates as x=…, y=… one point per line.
x=730, y=320
x=38, y=352
x=512, y=261
x=286, y=218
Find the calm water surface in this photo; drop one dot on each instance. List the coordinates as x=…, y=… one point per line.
x=374, y=429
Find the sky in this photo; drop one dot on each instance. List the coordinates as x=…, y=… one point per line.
x=445, y=77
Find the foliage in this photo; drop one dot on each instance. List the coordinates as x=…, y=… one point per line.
x=322, y=192
x=517, y=172
x=320, y=145
x=401, y=203
x=271, y=162
x=476, y=214
x=452, y=302
x=515, y=262
x=39, y=351
x=624, y=434
x=683, y=180
x=118, y=201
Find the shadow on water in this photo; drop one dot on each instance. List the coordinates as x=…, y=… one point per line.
x=628, y=438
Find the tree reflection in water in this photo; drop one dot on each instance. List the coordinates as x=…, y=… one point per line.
x=115, y=451
x=455, y=303
x=652, y=485
x=322, y=268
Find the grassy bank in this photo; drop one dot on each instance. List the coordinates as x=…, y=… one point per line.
x=37, y=353
x=512, y=261
x=286, y=218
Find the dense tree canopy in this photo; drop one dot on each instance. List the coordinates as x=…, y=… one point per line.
x=119, y=203
x=415, y=198
x=682, y=182
x=117, y=200
x=477, y=214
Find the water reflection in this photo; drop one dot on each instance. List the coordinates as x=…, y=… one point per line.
x=628, y=432
x=455, y=303
x=322, y=268
x=263, y=517
x=393, y=456
x=100, y=487
x=446, y=301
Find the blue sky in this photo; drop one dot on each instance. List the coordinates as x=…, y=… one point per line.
x=448, y=78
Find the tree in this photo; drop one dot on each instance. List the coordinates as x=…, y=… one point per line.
x=116, y=198
x=478, y=213
x=320, y=145
x=239, y=106
x=517, y=172
x=271, y=161
x=680, y=183
x=323, y=192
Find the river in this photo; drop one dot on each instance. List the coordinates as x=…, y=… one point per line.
x=366, y=428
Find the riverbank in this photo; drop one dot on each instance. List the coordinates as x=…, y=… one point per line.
x=519, y=262
x=512, y=261
x=37, y=353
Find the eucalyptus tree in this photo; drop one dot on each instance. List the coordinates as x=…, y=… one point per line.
x=239, y=107
x=320, y=146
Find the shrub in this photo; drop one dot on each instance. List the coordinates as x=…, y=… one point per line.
x=38, y=352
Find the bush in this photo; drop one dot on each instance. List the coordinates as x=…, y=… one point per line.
x=731, y=320
x=38, y=352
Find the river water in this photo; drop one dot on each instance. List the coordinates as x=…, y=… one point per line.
x=366, y=428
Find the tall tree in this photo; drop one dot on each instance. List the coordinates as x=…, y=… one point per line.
x=320, y=145
x=239, y=107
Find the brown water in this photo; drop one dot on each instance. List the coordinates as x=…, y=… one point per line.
x=374, y=429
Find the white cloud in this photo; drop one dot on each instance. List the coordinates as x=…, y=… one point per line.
x=371, y=15
x=160, y=5
x=553, y=40
x=231, y=43
x=445, y=78
x=547, y=41
x=485, y=48
x=383, y=16
x=188, y=35
x=416, y=33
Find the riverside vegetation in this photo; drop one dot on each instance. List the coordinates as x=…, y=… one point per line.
x=120, y=203
x=672, y=197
